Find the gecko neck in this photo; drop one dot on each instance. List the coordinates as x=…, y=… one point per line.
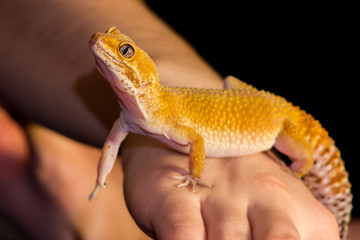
x=142, y=104
x=150, y=97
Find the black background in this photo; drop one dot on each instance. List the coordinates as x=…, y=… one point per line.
x=305, y=53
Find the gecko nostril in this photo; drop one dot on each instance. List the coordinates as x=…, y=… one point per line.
x=97, y=38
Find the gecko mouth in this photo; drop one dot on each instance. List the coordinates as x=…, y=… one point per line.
x=109, y=67
x=101, y=54
x=101, y=58
x=102, y=67
x=104, y=59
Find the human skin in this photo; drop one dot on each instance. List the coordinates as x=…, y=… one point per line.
x=49, y=201
x=252, y=197
x=67, y=73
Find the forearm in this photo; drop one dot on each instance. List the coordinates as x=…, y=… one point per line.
x=70, y=96
x=48, y=74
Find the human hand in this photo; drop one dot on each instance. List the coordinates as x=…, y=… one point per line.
x=44, y=188
x=252, y=198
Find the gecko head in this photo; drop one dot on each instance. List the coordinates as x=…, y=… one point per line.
x=123, y=64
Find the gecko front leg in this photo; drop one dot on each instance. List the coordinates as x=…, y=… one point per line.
x=109, y=153
x=188, y=135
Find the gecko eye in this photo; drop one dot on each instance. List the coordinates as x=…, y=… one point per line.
x=127, y=51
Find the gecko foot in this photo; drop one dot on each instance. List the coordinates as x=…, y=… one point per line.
x=96, y=190
x=188, y=179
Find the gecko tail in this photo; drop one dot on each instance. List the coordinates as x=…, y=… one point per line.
x=328, y=181
x=316, y=158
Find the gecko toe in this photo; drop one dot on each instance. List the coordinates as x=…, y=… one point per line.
x=187, y=179
x=96, y=190
x=94, y=193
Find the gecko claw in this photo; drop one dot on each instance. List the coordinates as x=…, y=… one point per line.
x=188, y=179
x=94, y=193
x=96, y=190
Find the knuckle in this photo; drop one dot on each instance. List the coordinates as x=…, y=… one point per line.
x=232, y=231
x=282, y=235
x=272, y=183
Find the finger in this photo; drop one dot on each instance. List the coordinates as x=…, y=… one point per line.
x=14, y=149
x=226, y=220
x=179, y=218
x=317, y=222
x=272, y=223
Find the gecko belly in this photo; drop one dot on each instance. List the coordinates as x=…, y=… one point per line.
x=236, y=148
x=227, y=147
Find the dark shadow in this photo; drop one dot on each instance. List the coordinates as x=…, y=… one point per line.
x=98, y=97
